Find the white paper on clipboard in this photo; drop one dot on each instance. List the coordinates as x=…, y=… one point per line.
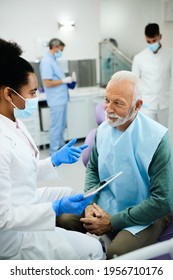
x=101, y=185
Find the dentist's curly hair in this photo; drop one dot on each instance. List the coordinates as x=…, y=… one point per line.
x=14, y=70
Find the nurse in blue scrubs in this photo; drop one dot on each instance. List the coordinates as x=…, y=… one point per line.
x=56, y=88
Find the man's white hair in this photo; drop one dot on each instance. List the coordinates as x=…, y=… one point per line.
x=130, y=76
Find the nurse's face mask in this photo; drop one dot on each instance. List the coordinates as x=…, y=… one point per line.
x=58, y=54
x=31, y=104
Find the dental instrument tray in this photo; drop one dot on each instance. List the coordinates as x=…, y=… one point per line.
x=101, y=185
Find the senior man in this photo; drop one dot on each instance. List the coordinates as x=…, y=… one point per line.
x=136, y=207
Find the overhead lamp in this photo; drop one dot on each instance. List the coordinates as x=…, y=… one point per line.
x=66, y=25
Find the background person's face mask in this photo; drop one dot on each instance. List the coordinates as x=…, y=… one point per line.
x=153, y=47
x=58, y=54
x=31, y=104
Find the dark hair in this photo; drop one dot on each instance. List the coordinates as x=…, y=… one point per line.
x=55, y=42
x=14, y=69
x=152, y=30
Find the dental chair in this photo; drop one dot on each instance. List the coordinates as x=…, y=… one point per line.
x=100, y=113
x=100, y=117
x=89, y=140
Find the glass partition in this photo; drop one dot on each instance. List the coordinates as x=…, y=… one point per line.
x=111, y=61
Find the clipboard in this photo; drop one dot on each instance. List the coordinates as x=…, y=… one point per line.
x=101, y=185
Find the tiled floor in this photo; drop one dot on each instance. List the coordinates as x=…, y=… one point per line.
x=72, y=175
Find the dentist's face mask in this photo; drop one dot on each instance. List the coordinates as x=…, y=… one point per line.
x=153, y=47
x=31, y=104
x=58, y=54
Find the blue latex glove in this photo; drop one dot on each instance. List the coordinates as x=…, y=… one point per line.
x=67, y=154
x=72, y=85
x=74, y=204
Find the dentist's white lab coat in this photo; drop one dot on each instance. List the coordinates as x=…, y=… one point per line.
x=27, y=220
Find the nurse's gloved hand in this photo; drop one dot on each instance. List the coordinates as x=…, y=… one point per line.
x=67, y=80
x=74, y=204
x=67, y=154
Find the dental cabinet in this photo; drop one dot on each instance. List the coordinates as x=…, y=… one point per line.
x=80, y=115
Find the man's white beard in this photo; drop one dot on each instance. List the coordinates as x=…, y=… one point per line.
x=120, y=120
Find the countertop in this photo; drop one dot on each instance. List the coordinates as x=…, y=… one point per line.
x=80, y=92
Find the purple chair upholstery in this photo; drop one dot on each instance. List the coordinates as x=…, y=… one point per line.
x=90, y=141
x=100, y=117
x=167, y=233
x=163, y=257
x=100, y=113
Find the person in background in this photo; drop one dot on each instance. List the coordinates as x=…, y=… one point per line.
x=153, y=66
x=56, y=88
x=28, y=214
x=135, y=208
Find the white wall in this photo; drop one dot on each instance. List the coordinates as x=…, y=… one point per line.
x=124, y=20
x=33, y=22
x=166, y=27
